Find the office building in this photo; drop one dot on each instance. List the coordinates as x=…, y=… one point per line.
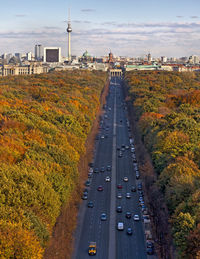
x=52, y=54
x=38, y=52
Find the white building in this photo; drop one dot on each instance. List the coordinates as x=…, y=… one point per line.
x=29, y=56
x=163, y=59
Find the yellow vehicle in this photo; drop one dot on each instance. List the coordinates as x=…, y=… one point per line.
x=92, y=250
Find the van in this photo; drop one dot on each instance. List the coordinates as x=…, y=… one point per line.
x=120, y=226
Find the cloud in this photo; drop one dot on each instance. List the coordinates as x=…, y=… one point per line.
x=79, y=21
x=194, y=17
x=88, y=10
x=179, y=16
x=20, y=15
x=170, y=39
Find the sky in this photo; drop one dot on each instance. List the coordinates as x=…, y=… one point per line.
x=126, y=27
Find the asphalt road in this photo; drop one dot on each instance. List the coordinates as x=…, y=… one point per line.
x=111, y=243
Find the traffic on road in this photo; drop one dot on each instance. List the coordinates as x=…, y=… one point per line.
x=114, y=213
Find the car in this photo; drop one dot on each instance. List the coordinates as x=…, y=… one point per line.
x=143, y=207
x=129, y=231
x=150, y=251
x=120, y=226
x=136, y=217
x=128, y=195
x=126, y=147
x=118, y=148
x=123, y=145
x=100, y=188
x=146, y=218
x=107, y=179
x=132, y=150
x=142, y=203
x=128, y=215
x=139, y=186
x=89, y=175
x=141, y=193
x=125, y=179
x=84, y=196
x=87, y=183
x=91, y=164
x=123, y=149
x=102, y=169
x=150, y=247
x=102, y=136
x=85, y=191
x=108, y=167
x=133, y=189
x=90, y=204
x=119, y=195
x=96, y=170
x=119, y=209
x=103, y=217
x=119, y=186
x=92, y=249
x=120, y=154
x=141, y=199
x=91, y=170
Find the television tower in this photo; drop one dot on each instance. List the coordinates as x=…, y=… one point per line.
x=69, y=30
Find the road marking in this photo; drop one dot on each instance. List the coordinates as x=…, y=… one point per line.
x=112, y=226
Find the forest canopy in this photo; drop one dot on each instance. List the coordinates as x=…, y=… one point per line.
x=167, y=105
x=44, y=122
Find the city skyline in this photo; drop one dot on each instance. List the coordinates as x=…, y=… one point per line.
x=128, y=28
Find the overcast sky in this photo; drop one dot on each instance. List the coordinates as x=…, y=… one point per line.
x=127, y=27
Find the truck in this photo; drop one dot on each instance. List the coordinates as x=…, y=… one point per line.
x=92, y=249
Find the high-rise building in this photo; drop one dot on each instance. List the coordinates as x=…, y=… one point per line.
x=149, y=58
x=18, y=55
x=52, y=54
x=29, y=56
x=69, y=30
x=38, y=52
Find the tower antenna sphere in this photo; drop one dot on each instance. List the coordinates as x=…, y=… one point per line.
x=69, y=30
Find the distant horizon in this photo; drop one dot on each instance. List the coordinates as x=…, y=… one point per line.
x=131, y=28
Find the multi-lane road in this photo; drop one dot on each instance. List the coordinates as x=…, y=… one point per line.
x=112, y=149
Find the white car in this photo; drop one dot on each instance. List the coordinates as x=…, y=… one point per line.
x=128, y=195
x=107, y=179
x=136, y=217
x=119, y=195
x=91, y=170
x=125, y=179
x=120, y=226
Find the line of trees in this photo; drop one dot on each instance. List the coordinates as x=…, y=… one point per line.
x=167, y=105
x=44, y=122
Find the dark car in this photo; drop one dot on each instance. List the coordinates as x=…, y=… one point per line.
x=150, y=247
x=139, y=186
x=102, y=169
x=90, y=204
x=119, y=186
x=108, y=167
x=128, y=215
x=100, y=188
x=119, y=209
x=96, y=170
x=133, y=189
x=129, y=231
x=87, y=183
x=84, y=197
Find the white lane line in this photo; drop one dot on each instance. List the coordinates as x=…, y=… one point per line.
x=112, y=226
